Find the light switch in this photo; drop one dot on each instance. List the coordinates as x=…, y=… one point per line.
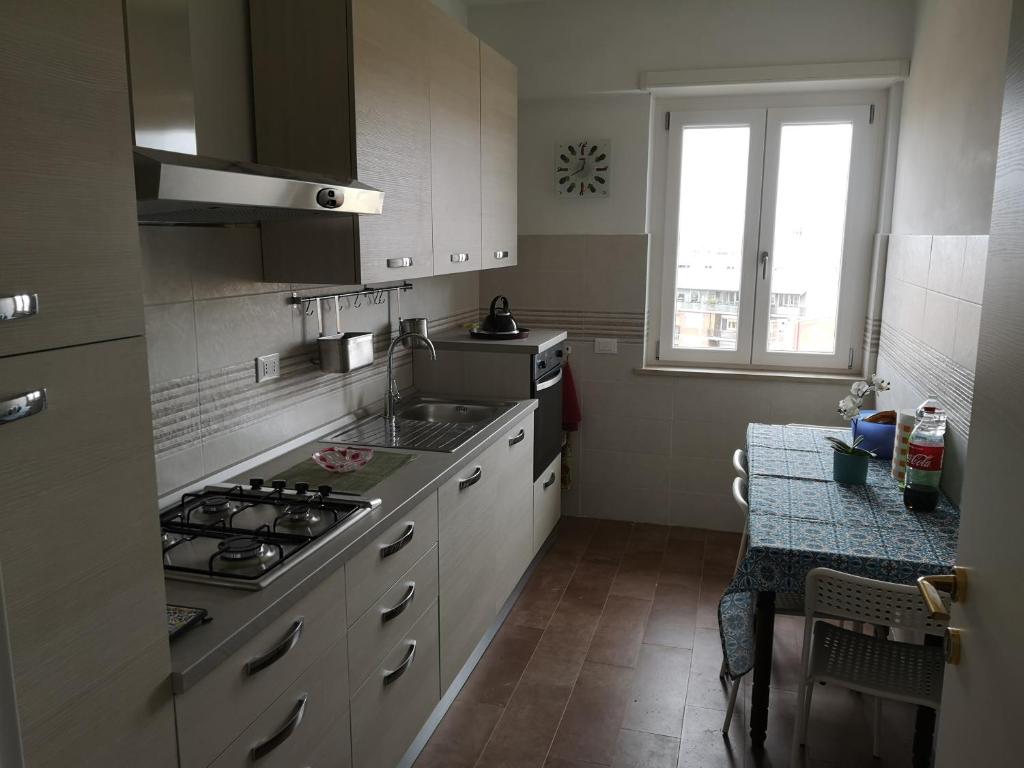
x=606, y=346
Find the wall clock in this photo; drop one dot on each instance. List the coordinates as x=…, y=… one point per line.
x=582, y=169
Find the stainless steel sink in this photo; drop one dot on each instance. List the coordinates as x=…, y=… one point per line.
x=425, y=424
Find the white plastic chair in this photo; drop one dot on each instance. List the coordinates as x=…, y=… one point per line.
x=885, y=669
x=739, y=463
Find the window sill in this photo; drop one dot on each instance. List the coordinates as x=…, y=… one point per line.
x=745, y=375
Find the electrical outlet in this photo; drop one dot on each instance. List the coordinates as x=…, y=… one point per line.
x=268, y=367
x=606, y=346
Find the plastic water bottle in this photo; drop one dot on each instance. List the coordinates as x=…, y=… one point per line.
x=924, y=459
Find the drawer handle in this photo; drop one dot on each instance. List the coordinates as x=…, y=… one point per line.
x=465, y=482
x=264, y=748
x=389, y=549
x=19, y=305
x=274, y=654
x=518, y=438
x=22, y=406
x=397, y=610
x=399, y=262
x=459, y=258
x=397, y=672
x=549, y=482
x=501, y=254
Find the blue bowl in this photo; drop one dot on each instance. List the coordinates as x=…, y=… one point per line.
x=878, y=438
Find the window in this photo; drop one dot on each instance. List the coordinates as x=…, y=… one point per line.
x=769, y=225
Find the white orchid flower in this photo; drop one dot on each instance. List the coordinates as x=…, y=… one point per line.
x=880, y=384
x=848, y=408
x=858, y=389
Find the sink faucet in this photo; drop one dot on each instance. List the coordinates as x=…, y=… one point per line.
x=393, y=395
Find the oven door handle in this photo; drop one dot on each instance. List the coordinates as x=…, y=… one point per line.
x=548, y=383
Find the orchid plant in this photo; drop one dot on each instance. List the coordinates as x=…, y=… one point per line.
x=849, y=406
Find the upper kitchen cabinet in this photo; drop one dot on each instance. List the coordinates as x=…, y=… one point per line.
x=392, y=119
x=498, y=153
x=69, y=242
x=454, y=144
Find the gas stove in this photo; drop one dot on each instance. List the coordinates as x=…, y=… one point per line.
x=247, y=537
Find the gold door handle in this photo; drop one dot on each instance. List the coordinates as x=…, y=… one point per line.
x=955, y=584
x=951, y=645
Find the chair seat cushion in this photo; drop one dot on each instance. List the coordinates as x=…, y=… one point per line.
x=892, y=669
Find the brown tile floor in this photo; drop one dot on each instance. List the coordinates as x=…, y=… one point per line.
x=610, y=657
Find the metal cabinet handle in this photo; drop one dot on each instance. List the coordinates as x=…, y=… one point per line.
x=465, y=482
x=274, y=654
x=502, y=254
x=22, y=406
x=397, y=672
x=264, y=748
x=387, y=550
x=549, y=482
x=19, y=305
x=518, y=438
x=399, y=262
x=397, y=610
x=548, y=383
x=458, y=258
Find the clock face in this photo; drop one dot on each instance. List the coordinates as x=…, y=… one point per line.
x=582, y=169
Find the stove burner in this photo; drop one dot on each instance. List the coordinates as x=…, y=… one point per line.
x=300, y=513
x=240, y=548
x=215, y=505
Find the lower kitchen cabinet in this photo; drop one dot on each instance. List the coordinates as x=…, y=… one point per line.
x=513, y=511
x=547, y=502
x=306, y=726
x=398, y=697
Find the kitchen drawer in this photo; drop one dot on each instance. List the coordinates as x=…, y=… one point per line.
x=220, y=706
x=382, y=562
x=547, y=502
x=386, y=716
x=387, y=621
x=309, y=721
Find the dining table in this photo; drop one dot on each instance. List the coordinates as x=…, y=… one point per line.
x=800, y=519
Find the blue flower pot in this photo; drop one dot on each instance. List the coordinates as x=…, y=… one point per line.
x=850, y=468
x=878, y=438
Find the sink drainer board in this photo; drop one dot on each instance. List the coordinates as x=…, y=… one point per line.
x=360, y=481
x=412, y=434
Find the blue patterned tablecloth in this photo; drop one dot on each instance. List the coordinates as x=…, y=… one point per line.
x=802, y=519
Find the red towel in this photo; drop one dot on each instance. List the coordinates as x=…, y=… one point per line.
x=571, y=416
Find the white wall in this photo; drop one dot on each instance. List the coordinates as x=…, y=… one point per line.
x=457, y=9
x=620, y=118
x=587, y=46
x=950, y=120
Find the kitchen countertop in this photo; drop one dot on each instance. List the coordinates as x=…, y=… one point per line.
x=537, y=341
x=239, y=614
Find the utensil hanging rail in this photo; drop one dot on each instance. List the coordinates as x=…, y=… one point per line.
x=378, y=293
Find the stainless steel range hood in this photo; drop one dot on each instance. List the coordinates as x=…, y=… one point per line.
x=192, y=111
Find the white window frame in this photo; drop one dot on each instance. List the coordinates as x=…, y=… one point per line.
x=862, y=215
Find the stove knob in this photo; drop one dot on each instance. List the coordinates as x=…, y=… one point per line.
x=559, y=353
x=256, y=483
x=301, y=488
x=324, y=490
x=542, y=364
x=279, y=485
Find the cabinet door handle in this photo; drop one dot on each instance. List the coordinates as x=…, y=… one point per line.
x=274, y=654
x=518, y=438
x=465, y=482
x=458, y=258
x=22, y=406
x=387, y=550
x=19, y=305
x=397, y=610
x=399, y=262
x=264, y=748
x=549, y=482
x=397, y=672
x=502, y=254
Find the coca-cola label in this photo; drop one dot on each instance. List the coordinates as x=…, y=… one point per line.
x=925, y=457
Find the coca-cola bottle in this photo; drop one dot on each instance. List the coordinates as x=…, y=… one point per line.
x=924, y=459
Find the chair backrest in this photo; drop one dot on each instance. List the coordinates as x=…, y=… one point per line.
x=739, y=463
x=739, y=494
x=856, y=598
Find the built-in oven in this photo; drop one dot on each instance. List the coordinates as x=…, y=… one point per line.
x=546, y=387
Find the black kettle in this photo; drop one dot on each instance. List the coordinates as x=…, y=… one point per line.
x=499, y=319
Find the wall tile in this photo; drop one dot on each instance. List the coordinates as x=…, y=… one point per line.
x=972, y=284
x=646, y=397
x=622, y=502
x=911, y=319
x=947, y=264
x=965, y=342
x=714, y=440
x=562, y=253
x=699, y=510
x=636, y=470
x=178, y=469
x=916, y=260
x=615, y=278
x=235, y=330
x=939, y=322
x=601, y=367
x=171, y=341
x=638, y=435
x=699, y=474
x=166, y=266
x=226, y=261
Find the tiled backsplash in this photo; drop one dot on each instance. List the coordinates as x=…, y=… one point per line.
x=929, y=341
x=208, y=315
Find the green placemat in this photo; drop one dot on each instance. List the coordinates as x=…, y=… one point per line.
x=376, y=469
